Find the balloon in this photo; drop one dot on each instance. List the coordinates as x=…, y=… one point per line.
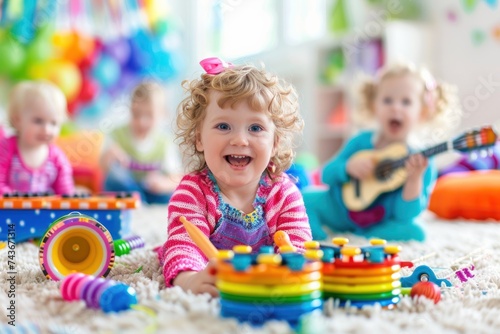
x=63, y=41
x=12, y=56
x=96, y=108
x=39, y=50
x=73, y=107
x=127, y=81
x=72, y=46
x=89, y=89
x=139, y=58
x=119, y=50
x=64, y=74
x=163, y=66
x=106, y=71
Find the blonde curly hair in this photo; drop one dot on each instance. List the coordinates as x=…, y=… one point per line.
x=441, y=107
x=261, y=90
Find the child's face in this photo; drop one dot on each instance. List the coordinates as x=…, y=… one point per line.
x=37, y=124
x=398, y=106
x=145, y=115
x=237, y=143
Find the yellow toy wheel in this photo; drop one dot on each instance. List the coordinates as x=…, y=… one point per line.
x=76, y=243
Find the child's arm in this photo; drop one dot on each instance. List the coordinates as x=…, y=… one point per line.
x=161, y=183
x=166, y=181
x=113, y=153
x=335, y=171
x=414, y=196
x=184, y=263
x=64, y=183
x=285, y=211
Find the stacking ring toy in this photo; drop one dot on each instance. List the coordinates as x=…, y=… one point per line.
x=76, y=243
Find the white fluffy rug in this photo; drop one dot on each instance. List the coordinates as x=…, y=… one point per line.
x=472, y=307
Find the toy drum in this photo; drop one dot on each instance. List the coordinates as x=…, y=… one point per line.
x=76, y=243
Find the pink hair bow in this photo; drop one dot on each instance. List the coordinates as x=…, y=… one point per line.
x=214, y=65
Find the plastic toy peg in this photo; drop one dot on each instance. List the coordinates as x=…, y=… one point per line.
x=375, y=254
x=428, y=290
x=392, y=250
x=266, y=250
x=199, y=238
x=269, y=259
x=311, y=244
x=340, y=241
x=287, y=249
x=225, y=255
x=377, y=242
x=328, y=255
x=242, y=257
x=281, y=238
x=313, y=254
x=348, y=253
x=108, y=295
x=294, y=261
x=242, y=249
x=126, y=245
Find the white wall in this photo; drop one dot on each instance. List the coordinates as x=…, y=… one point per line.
x=473, y=66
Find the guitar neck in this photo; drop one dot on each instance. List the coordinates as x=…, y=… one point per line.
x=429, y=152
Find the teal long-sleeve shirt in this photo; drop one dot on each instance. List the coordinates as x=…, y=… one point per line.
x=394, y=206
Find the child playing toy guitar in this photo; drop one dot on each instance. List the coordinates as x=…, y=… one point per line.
x=400, y=99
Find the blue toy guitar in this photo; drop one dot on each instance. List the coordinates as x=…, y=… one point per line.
x=389, y=173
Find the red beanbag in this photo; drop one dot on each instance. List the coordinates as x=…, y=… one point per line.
x=470, y=195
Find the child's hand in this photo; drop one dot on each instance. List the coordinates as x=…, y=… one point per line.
x=360, y=168
x=154, y=182
x=415, y=166
x=199, y=282
x=116, y=154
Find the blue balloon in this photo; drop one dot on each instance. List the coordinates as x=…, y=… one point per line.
x=96, y=108
x=106, y=71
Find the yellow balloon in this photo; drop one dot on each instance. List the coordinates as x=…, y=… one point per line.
x=64, y=74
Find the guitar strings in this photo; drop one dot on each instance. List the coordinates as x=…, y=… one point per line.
x=384, y=168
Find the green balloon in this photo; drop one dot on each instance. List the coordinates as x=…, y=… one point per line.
x=12, y=56
x=39, y=50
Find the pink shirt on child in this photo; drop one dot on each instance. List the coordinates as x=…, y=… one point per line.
x=55, y=174
x=196, y=199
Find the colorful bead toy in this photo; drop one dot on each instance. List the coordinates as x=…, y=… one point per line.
x=257, y=287
x=98, y=293
x=126, y=245
x=361, y=276
x=29, y=215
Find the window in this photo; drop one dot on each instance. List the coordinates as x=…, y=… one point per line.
x=234, y=30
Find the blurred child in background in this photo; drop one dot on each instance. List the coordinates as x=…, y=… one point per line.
x=29, y=161
x=403, y=101
x=140, y=156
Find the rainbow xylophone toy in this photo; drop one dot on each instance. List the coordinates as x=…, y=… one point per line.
x=255, y=288
x=27, y=216
x=359, y=276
